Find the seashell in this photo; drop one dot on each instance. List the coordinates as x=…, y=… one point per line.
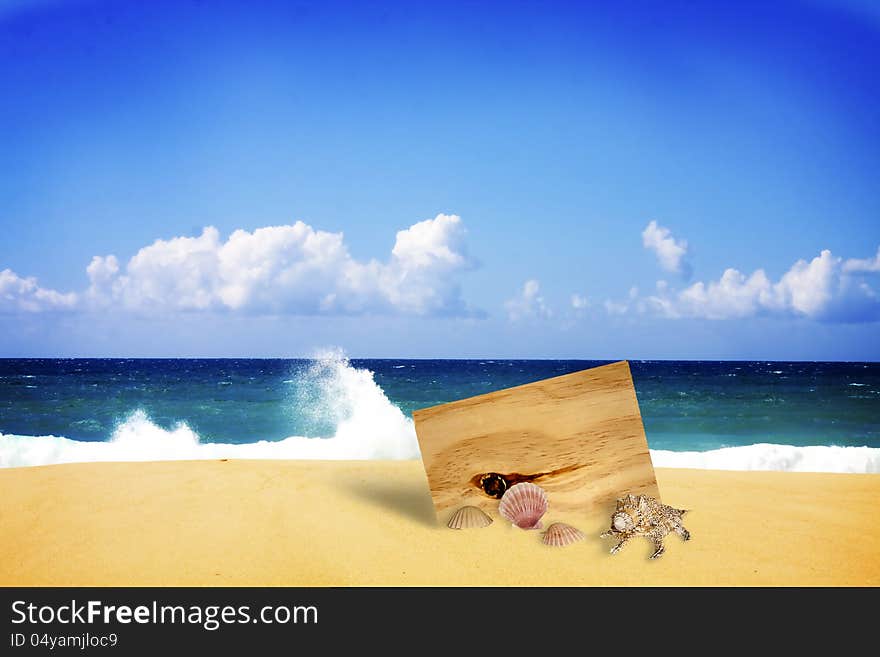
x=559, y=535
x=642, y=515
x=524, y=504
x=469, y=517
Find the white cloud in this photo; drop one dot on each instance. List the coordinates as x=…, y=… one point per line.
x=297, y=269
x=864, y=264
x=825, y=288
x=433, y=243
x=291, y=269
x=101, y=271
x=670, y=252
x=579, y=301
x=25, y=294
x=528, y=303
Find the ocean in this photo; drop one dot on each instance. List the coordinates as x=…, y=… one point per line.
x=799, y=416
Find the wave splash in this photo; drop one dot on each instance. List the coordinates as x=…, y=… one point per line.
x=367, y=426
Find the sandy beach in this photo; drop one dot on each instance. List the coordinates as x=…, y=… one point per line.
x=331, y=523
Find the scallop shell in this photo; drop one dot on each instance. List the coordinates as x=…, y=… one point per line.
x=559, y=535
x=469, y=517
x=524, y=504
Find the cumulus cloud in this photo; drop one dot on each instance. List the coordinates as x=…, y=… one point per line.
x=292, y=269
x=863, y=265
x=671, y=253
x=296, y=269
x=826, y=288
x=527, y=303
x=25, y=294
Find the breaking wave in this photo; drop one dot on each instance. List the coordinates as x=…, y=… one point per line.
x=365, y=424
x=764, y=456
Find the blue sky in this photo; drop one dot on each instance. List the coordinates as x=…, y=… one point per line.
x=473, y=179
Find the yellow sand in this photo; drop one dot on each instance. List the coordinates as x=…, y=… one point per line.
x=372, y=523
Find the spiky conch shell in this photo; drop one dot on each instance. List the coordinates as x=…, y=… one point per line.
x=469, y=517
x=560, y=534
x=524, y=505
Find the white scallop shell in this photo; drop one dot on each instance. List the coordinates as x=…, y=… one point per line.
x=524, y=504
x=469, y=517
x=559, y=535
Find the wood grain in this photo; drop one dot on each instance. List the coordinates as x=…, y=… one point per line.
x=579, y=436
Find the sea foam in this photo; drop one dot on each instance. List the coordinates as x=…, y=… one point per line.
x=367, y=425
x=766, y=456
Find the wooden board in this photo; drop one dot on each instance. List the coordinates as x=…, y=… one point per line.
x=578, y=436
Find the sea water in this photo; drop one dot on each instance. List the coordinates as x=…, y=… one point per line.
x=800, y=416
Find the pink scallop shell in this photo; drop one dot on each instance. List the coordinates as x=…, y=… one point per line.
x=524, y=504
x=559, y=535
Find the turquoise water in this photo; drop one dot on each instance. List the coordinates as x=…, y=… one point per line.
x=57, y=410
x=685, y=405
